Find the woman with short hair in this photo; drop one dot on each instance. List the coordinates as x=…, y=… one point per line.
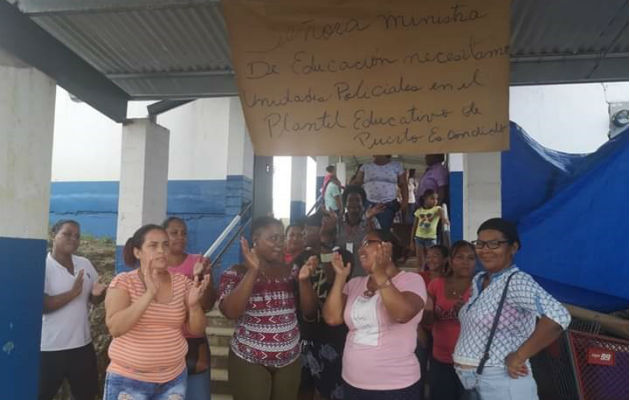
x=529, y=320
x=70, y=282
x=263, y=295
x=382, y=311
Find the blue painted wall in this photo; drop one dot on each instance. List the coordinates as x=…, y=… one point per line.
x=207, y=206
x=298, y=211
x=21, y=299
x=456, y=193
x=319, y=182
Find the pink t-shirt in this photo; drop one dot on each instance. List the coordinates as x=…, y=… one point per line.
x=379, y=352
x=445, y=321
x=186, y=268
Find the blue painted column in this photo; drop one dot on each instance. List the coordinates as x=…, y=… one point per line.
x=298, y=188
x=27, y=111
x=456, y=194
x=143, y=180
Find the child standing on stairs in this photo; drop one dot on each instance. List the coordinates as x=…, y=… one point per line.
x=424, y=230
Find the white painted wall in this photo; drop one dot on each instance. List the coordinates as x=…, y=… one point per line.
x=568, y=118
x=87, y=144
x=199, y=139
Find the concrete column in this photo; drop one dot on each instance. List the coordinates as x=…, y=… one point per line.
x=321, y=163
x=482, y=190
x=239, y=183
x=143, y=180
x=27, y=112
x=298, y=188
x=456, y=195
x=341, y=172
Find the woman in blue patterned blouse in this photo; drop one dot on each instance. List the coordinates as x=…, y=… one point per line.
x=530, y=320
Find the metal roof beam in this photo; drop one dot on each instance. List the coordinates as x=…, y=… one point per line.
x=555, y=70
x=179, y=86
x=58, y=7
x=165, y=105
x=27, y=41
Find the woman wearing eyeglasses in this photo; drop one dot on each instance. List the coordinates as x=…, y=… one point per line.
x=529, y=320
x=382, y=311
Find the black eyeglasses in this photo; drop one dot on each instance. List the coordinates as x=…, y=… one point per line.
x=491, y=244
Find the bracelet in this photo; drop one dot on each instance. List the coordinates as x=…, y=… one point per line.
x=384, y=285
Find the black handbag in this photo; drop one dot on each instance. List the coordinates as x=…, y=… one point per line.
x=472, y=394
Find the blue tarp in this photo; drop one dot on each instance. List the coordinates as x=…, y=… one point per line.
x=572, y=213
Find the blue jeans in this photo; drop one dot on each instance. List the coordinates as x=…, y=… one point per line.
x=495, y=384
x=121, y=388
x=422, y=242
x=198, y=386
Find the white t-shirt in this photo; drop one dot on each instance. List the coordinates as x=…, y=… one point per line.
x=380, y=182
x=67, y=327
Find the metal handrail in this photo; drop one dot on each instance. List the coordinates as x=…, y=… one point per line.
x=316, y=206
x=235, y=221
x=231, y=240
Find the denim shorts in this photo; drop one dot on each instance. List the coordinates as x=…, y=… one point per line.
x=426, y=243
x=118, y=387
x=495, y=384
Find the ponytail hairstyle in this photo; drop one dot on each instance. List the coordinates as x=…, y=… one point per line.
x=135, y=242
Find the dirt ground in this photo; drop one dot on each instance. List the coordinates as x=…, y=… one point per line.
x=102, y=254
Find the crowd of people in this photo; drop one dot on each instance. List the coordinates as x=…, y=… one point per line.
x=321, y=308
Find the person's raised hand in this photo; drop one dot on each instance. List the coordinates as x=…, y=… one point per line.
x=306, y=271
x=202, y=266
x=151, y=279
x=77, y=286
x=337, y=264
x=374, y=210
x=197, y=290
x=252, y=262
x=382, y=258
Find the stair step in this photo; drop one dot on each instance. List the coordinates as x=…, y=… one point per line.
x=219, y=351
x=219, y=331
x=221, y=396
x=219, y=374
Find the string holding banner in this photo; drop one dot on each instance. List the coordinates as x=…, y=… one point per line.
x=320, y=77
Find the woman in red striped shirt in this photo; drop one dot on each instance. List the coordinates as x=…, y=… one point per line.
x=145, y=311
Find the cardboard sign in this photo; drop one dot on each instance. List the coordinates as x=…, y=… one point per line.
x=359, y=77
x=599, y=356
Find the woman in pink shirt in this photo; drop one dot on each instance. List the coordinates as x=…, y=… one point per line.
x=382, y=311
x=191, y=265
x=446, y=296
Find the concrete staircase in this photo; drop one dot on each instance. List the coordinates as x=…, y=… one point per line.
x=219, y=332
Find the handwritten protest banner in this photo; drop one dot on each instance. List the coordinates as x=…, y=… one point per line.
x=359, y=77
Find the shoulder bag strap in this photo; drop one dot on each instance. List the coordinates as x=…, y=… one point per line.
x=486, y=353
